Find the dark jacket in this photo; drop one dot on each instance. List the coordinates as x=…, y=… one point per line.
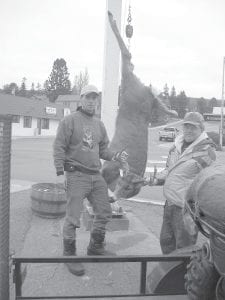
x=81, y=141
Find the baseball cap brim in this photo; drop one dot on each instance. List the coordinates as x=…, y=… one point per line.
x=89, y=92
x=89, y=89
x=193, y=123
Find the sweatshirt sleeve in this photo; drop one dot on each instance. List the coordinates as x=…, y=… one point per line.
x=61, y=142
x=161, y=176
x=104, y=151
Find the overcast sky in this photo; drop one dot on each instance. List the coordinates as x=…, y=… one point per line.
x=178, y=42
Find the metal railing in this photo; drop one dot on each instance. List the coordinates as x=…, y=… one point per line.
x=5, y=160
x=17, y=261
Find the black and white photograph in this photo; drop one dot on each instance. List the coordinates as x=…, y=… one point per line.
x=112, y=149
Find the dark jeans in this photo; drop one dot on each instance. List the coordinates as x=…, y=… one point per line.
x=173, y=232
x=93, y=187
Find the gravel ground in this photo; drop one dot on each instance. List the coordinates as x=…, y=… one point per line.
x=149, y=214
x=21, y=216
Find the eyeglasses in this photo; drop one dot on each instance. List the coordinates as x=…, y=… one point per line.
x=205, y=228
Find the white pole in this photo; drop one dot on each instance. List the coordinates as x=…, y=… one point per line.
x=111, y=69
x=222, y=106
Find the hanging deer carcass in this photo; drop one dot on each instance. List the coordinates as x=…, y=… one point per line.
x=131, y=129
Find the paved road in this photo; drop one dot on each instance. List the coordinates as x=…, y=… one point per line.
x=32, y=160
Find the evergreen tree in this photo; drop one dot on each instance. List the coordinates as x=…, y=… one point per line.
x=32, y=90
x=172, y=98
x=165, y=95
x=32, y=87
x=202, y=106
x=173, y=92
x=58, y=81
x=23, y=89
x=166, y=91
x=182, y=104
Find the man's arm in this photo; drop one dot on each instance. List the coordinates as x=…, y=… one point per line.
x=107, y=154
x=60, y=145
x=104, y=151
x=205, y=158
x=160, y=178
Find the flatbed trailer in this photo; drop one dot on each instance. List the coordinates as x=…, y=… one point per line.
x=176, y=265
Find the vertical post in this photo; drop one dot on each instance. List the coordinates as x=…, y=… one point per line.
x=222, y=106
x=5, y=155
x=18, y=279
x=110, y=90
x=143, y=277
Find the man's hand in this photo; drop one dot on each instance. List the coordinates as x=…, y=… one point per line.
x=121, y=157
x=60, y=180
x=151, y=180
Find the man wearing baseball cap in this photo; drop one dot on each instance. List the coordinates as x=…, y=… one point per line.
x=81, y=141
x=192, y=151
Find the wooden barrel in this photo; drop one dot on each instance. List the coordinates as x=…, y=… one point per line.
x=48, y=200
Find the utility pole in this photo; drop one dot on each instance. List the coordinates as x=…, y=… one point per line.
x=111, y=69
x=222, y=107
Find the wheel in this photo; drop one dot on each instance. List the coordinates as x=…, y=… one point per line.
x=201, y=277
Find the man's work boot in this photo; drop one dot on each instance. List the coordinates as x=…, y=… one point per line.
x=69, y=249
x=97, y=245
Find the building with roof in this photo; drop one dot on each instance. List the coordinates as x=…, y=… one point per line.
x=71, y=102
x=215, y=115
x=31, y=117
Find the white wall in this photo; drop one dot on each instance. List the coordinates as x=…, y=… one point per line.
x=53, y=125
x=217, y=110
x=19, y=130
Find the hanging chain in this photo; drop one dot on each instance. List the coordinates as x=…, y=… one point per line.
x=129, y=19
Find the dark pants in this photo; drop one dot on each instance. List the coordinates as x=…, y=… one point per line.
x=173, y=232
x=93, y=187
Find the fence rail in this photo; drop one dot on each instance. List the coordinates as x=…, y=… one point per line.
x=17, y=261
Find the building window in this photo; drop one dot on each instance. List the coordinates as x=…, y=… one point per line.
x=15, y=119
x=45, y=123
x=66, y=103
x=27, y=121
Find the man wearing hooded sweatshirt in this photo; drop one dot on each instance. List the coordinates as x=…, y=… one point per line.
x=81, y=141
x=192, y=151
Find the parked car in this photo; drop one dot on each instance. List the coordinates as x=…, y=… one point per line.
x=168, y=133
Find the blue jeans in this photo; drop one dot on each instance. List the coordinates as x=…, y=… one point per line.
x=93, y=187
x=173, y=232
